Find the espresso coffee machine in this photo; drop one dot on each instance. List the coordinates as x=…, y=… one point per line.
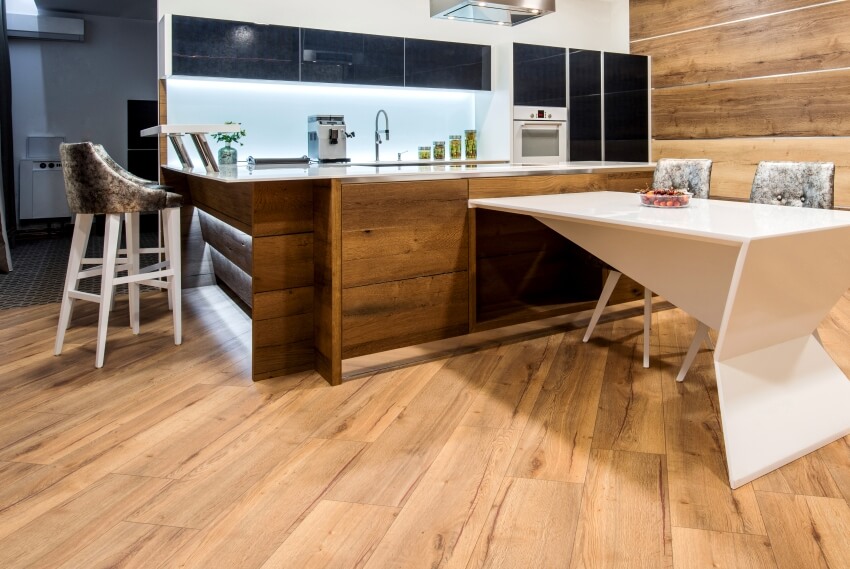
x=326, y=138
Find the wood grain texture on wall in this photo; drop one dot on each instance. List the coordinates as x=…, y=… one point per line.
x=742, y=82
x=810, y=104
x=791, y=42
x=649, y=18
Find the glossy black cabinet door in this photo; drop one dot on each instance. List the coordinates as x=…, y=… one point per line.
x=585, y=118
x=446, y=65
x=222, y=48
x=343, y=57
x=626, y=107
x=540, y=75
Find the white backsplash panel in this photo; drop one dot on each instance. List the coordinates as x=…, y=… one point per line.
x=275, y=114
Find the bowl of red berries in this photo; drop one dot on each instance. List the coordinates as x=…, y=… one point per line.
x=660, y=197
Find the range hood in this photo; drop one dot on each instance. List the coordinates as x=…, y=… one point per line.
x=502, y=12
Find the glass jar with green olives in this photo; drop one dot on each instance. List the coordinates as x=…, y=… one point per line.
x=439, y=150
x=454, y=147
x=471, y=144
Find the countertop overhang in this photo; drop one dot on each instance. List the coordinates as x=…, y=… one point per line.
x=391, y=173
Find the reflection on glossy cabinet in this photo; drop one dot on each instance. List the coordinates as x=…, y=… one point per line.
x=626, y=107
x=343, y=57
x=447, y=65
x=540, y=75
x=585, y=122
x=222, y=48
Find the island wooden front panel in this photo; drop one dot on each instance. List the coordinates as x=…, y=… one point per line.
x=405, y=254
x=525, y=271
x=340, y=270
x=283, y=277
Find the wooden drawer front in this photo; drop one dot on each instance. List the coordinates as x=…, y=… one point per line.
x=231, y=243
x=396, y=231
x=283, y=207
x=534, y=185
x=523, y=266
x=283, y=332
x=404, y=313
x=231, y=203
x=283, y=261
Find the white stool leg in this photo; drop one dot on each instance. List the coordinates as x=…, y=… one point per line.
x=647, y=323
x=163, y=255
x=702, y=332
x=82, y=226
x=607, y=290
x=107, y=288
x=172, y=247
x=131, y=226
x=120, y=227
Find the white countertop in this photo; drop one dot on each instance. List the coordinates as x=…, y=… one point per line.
x=713, y=219
x=389, y=172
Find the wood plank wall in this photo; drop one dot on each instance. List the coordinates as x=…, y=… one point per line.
x=741, y=82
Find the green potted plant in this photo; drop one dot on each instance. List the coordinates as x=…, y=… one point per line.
x=227, y=155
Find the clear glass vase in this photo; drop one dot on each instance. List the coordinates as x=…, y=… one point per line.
x=227, y=156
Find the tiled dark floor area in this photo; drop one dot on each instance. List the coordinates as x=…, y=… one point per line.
x=39, y=265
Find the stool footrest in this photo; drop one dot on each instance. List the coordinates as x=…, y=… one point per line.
x=97, y=271
x=155, y=283
x=142, y=277
x=84, y=296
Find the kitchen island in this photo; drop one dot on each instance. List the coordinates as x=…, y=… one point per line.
x=335, y=262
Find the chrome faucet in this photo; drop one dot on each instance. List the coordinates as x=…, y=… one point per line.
x=386, y=132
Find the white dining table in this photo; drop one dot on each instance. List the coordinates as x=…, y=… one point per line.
x=763, y=276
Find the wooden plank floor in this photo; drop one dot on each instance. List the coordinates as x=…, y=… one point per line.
x=541, y=453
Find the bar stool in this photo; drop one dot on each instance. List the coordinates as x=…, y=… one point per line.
x=160, y=250
x=94, y=187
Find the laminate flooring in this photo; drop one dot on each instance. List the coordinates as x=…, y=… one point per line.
x=542, y=453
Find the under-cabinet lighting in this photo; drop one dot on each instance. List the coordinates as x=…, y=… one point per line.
x=368, y=92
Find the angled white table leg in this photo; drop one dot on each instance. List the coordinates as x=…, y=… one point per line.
x=781, y=396
x=778, y=404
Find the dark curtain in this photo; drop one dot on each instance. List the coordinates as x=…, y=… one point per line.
x=7, y=181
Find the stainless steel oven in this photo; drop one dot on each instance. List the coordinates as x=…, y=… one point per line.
x=540, y=135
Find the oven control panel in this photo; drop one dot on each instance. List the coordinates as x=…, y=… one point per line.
x=537, y=114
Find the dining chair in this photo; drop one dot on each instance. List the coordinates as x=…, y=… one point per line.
x=692, y=174
x=794, y=184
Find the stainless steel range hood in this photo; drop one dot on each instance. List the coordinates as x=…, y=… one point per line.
x=502, y=12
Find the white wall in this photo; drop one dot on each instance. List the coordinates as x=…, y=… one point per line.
x=79, y=90
x=587, y=24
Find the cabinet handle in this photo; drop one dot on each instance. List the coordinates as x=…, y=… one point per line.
x=542, y=124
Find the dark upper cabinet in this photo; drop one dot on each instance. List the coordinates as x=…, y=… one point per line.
x=585, y=119
x=626, y=107
x=222, y=48
x=540, y=75
x=343, y=57
x=447, y=65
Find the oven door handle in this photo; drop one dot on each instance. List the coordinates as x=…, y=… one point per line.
x=542, y=125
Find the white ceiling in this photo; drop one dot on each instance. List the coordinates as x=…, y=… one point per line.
x=134, y=9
